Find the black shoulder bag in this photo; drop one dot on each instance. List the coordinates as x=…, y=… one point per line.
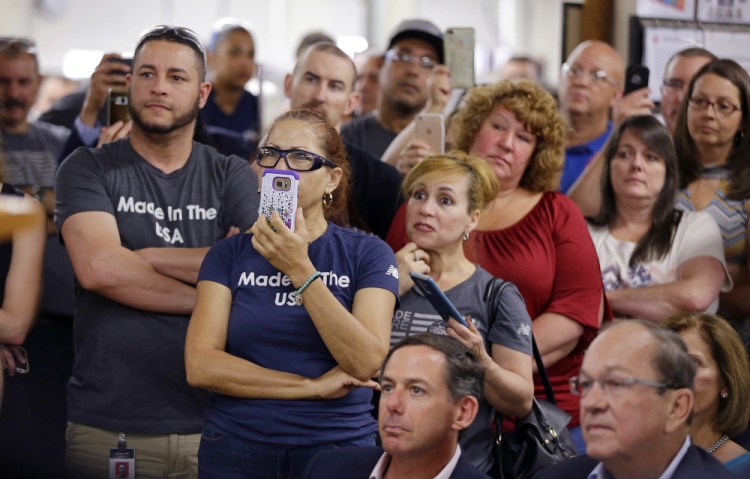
x=541, y=438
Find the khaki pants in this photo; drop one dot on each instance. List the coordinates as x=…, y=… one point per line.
x=173, y=456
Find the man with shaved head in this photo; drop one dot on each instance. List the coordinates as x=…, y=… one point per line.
x=591, y=84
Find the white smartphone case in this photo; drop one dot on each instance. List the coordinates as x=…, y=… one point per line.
x=278, y=192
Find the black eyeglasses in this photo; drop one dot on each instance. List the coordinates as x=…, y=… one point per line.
x=171, y=31
x=426, y=63
x=297, y=160
x=722, y=107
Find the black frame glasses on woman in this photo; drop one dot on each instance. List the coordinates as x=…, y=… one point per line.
x=295, y=159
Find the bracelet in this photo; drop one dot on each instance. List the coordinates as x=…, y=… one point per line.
x=296, y=296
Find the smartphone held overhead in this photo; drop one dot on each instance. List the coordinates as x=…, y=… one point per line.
x=458, y=45
x=636, y=77
x=278, y=193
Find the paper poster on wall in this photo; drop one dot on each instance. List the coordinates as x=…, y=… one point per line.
x=724, y=11
x=672, y=9
x=659, y=44
x=732, y=45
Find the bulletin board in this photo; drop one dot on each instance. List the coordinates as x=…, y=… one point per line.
x=654, y=41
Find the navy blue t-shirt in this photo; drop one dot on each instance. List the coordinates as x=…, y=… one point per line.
x=266, y=329
x=244, y=119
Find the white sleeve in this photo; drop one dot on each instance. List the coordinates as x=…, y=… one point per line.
x=699, y=235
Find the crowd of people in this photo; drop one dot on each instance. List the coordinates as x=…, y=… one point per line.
x=175, y=332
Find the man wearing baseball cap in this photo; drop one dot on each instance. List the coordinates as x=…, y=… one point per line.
x=414, y=49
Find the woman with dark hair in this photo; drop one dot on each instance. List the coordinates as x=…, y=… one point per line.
x=291, y=377
x=712, y=139
x=722, y=386
x=529, y=234
x=655, y=260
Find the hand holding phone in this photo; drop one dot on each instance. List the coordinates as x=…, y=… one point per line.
x=458, y=44
x=428, y=288
x=636, y=77
x=429, y=128
x=117, y=106
x=278, y=193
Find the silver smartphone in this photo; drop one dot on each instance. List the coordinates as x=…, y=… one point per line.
x=430, y=128
x=458, y=43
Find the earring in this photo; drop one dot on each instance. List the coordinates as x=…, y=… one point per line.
x=466, y=235
x=738, y=137
x=724, y=394
x=327, y=199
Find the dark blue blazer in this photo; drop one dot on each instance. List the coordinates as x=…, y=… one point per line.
x=358, y=462
x=697, y=464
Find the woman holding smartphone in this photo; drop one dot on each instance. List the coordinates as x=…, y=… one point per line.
x=289, y=378
x=445, y=195
x=529, y=234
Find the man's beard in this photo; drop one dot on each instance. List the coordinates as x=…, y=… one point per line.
x=159, y=129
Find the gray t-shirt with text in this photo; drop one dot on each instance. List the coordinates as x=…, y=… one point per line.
x=129, y=373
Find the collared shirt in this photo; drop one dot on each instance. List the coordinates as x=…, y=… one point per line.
x=600, y=472
x=88, y=134
x=385, y=460
x=578, y=157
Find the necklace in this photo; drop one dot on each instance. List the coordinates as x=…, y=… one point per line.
x=713, y=447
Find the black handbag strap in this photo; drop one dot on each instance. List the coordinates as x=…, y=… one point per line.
x=492, y=294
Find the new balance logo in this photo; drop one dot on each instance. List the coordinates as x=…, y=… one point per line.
x=393, y=271
x=524, y=330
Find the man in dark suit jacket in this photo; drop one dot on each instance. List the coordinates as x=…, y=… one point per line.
x=636, y=388
x=431, y=386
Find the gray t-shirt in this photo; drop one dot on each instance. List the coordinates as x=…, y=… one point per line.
x=511, y=329
x=30, y=164
x=31, y=158
x=129, y=373
x=367, y=134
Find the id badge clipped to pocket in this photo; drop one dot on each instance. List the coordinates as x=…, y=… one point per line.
x=121, y=460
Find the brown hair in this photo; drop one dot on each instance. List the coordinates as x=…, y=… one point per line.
x=533, y=107
x=687, y=152
x=482, y=187
x=731, y=358
x=333, y=149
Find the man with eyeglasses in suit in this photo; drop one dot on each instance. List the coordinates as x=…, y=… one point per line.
x=415, y=48
x=637, y=397
x=138, y=216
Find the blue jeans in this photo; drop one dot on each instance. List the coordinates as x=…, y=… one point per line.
x=223, y=456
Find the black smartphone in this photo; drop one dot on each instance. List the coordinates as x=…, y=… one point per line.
x=124, y=61
x=636, y=77
x=430, y=290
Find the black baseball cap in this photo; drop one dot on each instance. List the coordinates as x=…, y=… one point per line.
x=421, y=30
